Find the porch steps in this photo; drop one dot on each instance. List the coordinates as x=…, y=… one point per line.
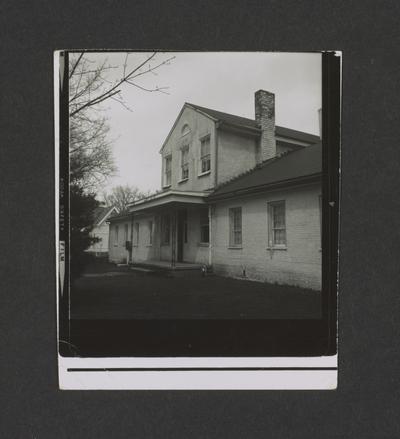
x=165, y=270
x=141, y=270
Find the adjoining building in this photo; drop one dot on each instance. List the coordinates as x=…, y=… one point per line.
x=239, y=195
x=101, y=231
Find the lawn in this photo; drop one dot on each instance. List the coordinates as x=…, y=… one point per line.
x=110, y=292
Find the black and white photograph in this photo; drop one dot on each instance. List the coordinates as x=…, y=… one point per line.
x=197, y=219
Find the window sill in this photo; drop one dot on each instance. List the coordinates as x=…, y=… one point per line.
x=166, y=186
x=203, y=244
x=204, y=173
x=277, y=248
x=235, y=247
x=183, y=180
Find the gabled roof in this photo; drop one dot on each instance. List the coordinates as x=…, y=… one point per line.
x=243, y=122
x=101, y=213
x=232, y=119
x=295, y=166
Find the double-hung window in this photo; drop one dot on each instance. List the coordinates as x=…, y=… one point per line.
x=235, y=227
x=204, y=227
x=167, y=170
x=277, y=224
x=205, y=156
x=185, y=162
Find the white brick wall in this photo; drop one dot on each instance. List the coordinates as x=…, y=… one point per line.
x=299, y=264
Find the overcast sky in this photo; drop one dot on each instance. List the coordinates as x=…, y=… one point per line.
x=218, y=80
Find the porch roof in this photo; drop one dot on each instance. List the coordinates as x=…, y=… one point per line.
x=167, y=198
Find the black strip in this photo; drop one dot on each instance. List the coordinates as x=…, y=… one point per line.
x=331, y=88
x=63, y=182
x=198, y=338
x=190, y=369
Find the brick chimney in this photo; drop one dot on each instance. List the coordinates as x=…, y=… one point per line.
x=265, y=116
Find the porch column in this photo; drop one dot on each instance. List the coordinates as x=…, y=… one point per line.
x=210, y=235
x=174, y=225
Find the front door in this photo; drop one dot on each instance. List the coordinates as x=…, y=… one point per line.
x=181, y=232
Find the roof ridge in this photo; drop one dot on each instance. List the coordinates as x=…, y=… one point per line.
x=220, y=111
x=289, y=131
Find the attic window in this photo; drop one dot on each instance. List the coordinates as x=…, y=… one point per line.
x=185, y=129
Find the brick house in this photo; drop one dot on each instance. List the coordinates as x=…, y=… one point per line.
x=239, y=195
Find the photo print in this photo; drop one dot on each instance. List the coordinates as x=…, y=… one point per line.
x=197, y=219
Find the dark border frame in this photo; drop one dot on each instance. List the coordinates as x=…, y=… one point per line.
x=199, y=338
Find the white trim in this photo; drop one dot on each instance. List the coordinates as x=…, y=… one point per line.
x=204, y=173
x=167, y=197
x=293, y=141
x=107, y=215
x=270, y=206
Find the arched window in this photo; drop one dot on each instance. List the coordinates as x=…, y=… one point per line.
x=185, y=129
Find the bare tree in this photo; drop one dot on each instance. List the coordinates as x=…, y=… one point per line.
x=91, y=84
x=122, y=196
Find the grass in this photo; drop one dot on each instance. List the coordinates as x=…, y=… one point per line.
x=110, y=292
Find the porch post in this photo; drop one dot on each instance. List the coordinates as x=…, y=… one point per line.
x=210, y=235
x=130, y=251
x=173, y=238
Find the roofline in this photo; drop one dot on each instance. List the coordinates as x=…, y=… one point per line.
x=235, y=127
x=168, y=198
x=307, y=179
x=99, y=223
x=185, y=105
x=119, y=217
x=167, y=193
x=299, y=136
x=193, y=107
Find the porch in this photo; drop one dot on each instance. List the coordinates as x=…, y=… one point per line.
x=170, y=232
